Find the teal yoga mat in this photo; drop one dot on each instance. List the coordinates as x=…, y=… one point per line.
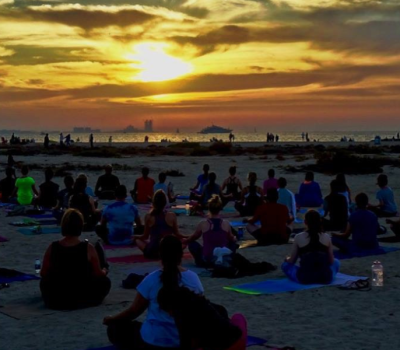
x=285, y=285
x=30, y=231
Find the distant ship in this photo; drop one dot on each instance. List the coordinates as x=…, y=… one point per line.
x=214, y=129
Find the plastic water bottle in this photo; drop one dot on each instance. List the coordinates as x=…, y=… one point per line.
x=240, y=233
x=187, y=208
x=377, y=274
x=37, y=266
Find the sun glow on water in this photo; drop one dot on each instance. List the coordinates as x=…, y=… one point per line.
x=155, y=65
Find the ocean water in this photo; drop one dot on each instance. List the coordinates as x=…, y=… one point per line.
x=328, y=136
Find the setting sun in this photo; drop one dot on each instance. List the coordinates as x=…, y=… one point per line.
x=155, y=65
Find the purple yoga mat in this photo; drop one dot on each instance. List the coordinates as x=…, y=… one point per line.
x=3, y=239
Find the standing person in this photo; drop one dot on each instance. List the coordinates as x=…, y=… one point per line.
x=116, y=225
x=276, y=138
x=303, y=135
x=72, y=274
x=251, y=197
x=335, y=205
x=233, y=185
x=387, y=206
x=68, y=140
x=157, y=225
x=271, y=182
x=363, y=226
x=314, y=248
x=48, y=191
x=61, y=139
x=107, y=184
x=46, y=141
x=307, y=139
x=91, y=140
x=286, y=198
x=159, y=329
x=274, y=219
x=310, y=194
x=110, y=140
x=202, y=180
x=25, y=188
x=143, y=189
x=7, y=185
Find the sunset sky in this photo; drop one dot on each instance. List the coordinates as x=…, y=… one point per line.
x=283, y=64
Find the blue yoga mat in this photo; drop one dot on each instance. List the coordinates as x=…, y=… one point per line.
x=251, y=341
x=40, y=216
x=285, y=285
x=242, y=224
x=183, y=197
x=178, y=211
x=305, y=210
x=30, y=231
x=382, y=250
x=21, y=278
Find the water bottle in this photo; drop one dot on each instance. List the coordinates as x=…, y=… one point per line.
x=377, y=274
x=187, y=208
x=37, y=266
x=240, y=233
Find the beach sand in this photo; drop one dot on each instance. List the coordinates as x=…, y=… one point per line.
x=323, y=318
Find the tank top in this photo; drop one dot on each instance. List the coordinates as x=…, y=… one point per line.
x=252, y=198
x=159, y=230
x=70, y=265
x=232, y=186
x=214, y=237
x=314, y=264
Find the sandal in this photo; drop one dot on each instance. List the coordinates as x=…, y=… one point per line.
x=360, y=285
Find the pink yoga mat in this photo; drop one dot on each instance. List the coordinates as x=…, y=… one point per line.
x=115, y=247
x=137, y=258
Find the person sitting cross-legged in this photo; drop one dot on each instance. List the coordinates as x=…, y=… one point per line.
x=116, y=225
x=73, y=275
x=314, y=248
x=363, y=227
x=274, y=220
x=107, y=184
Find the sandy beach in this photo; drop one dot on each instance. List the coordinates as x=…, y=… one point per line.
x=316, y=319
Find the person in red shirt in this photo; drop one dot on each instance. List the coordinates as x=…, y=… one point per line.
x=143, y=190
x=274, y=219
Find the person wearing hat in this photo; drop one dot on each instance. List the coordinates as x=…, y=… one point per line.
x=107, y=184
x=274, y=219
x=116, y=225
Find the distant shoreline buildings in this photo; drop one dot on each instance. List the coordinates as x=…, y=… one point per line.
x=87, y=130
x=148, y=128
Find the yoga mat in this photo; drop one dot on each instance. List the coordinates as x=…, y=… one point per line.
x=298, y=221
x=178, y=211
x=2, y=205
x=183, y=197
x=3, y=239
x=251, y=341
x=137, y=258
x=242, y=224
x=41, y=216
x=305, y=210
x=285, y=285
x=382, y=250
x=21, y=278
x=117, y=247
x=30, y=231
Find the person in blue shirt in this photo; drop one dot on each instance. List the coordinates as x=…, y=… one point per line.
x=363, y=226
x=310, y=194
x=202, y=180
x=116, y=226
x=159, y=329
x=387, y=206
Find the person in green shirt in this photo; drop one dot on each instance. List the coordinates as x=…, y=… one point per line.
x=25, y=188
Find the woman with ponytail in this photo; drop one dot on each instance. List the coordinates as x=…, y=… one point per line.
x=314, y=248
x=157, y=225
x=159, y=330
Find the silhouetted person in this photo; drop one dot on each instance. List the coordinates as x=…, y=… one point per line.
x=91, y=140
x=46, y=141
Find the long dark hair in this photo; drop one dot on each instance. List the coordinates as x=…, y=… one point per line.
x=171, y=253
x=159, y=203
x=314, y=225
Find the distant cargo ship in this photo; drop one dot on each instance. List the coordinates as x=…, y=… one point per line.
x=214, y=129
